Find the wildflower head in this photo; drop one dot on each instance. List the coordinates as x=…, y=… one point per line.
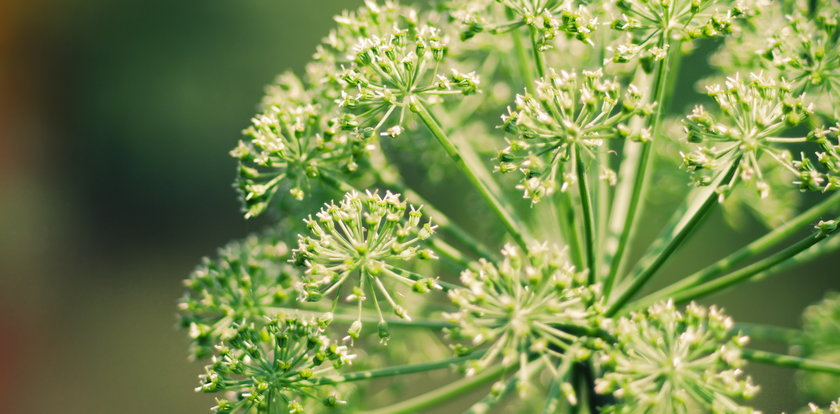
x=569, y=115
x=820, y=341
x=667, y=361
x=652, y=24
x=755, y=111
x=833, y=408
x=247, y=277
x=288, y=146
x=390, y=73
x=532, y=303
x=546, y=19
x=274, y=365
x=362, y=241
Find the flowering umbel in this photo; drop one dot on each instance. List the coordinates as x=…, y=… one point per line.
x=666, y=361
x=564, y=121
x=756, y=111
x=275, y=365
x=362, y=241
x=293, y=141
x=247, y=277
x=533, y=304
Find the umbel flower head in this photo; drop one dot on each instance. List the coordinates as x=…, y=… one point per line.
x=533, y=303
x=666, y=361
x=567, y=117
x=651, y=24
x=833, y=408
x=390, y=73
x=755, y=111
x=361, y=241
x=820, y=340
x=288, y=145
x=545, y=18
x=236, y=287
x=274, y=365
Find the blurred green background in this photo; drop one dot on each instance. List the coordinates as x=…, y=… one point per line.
x=115, y=122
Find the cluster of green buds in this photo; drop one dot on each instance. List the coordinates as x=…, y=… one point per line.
x=653, y=24
x=361, y=241
x=806, y=51
x=247, y=277
x=393, y=73
x=563, y=121
x=352, y=27
x=827, y=178
x=820, y=340
x=546, y=19
x=756, y=110
x=665, y=361
x=295, y=143
x=274, y=365
x=532, y=303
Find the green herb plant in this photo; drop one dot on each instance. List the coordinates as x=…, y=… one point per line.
x=461, y=189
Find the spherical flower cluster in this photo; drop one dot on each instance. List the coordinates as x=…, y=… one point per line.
x=820, y=341
x=357, y=242
x=352, y=27
x=666, y=361
x=566, y=118
x=247, y=277
x=391, y=73
x=532, y=304
x=755, y=111
x=274, y=365
x=652, y=24
x=545, y=19
x=291, y=142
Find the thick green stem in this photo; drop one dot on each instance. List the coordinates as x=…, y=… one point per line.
x=754, y=249
x=748, y=272
x=522, y=59
x=442, y=394
x=539, y=62
x=566, y=216
x=394, y=371
x=791, y=361
x=510, y=224
x=641, y=178
x=694, y=211
x=588, y=218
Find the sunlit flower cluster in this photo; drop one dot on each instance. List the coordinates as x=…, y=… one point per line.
x=247, y=277
x=666, y=361
x=755, y=111
x=546, y=19
x=653, y=24
x=361, y=241
x=290, y=144
x=565, y=120
x=272, y=368
x=391, y=73
x=531, y=303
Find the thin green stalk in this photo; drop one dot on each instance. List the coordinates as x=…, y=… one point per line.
x=694, y=211
x=754, y=249
x=790, y=361
x=522, y=59
x=394, y=371
x=768, y=332
x=640, y=177
x=539, y=62
x=588, y=219
x=566, y=213
x=510, y=224
x=442, y=394
x=748, y=272
x=414, y=323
